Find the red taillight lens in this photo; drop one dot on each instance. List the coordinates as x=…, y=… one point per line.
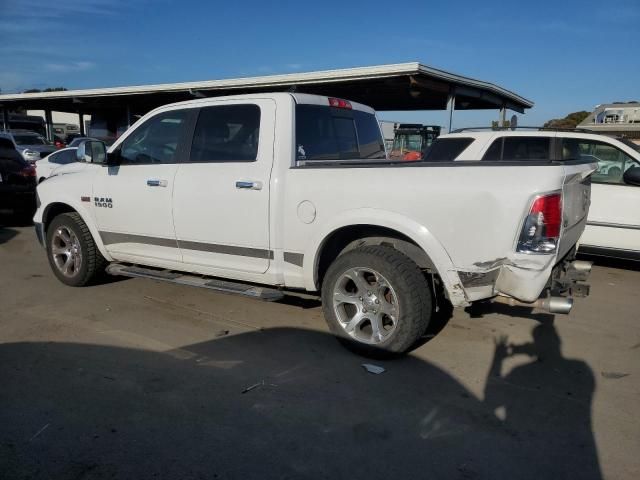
x=541, y=229
x=339, y=103
x=550, y=207
x=29, y=171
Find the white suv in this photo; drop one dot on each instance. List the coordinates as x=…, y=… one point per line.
x=613, y=226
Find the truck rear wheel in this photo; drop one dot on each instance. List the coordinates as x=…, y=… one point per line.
x=376, y=301
x=72, y=252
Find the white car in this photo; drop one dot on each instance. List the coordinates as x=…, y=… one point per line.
x=613, y=226
x=46, y=166
x=295, y=191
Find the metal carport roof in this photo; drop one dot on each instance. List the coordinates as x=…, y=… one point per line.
x=404, y=86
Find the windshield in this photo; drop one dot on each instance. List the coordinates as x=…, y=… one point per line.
x=27, y=139
x=408, y=142
x=629, y=143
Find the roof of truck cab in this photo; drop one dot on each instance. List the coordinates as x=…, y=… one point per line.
x=403, y=86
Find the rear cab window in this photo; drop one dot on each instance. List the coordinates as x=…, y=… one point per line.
x=446, y=149
x=328, y=134
x=519, y=149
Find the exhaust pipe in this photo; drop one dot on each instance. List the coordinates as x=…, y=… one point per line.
x=582, y=266
x=561, y=305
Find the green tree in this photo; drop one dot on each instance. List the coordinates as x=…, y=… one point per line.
x=570, y=121
x=50, y=89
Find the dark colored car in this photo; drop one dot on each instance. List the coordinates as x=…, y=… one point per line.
x=17, y=181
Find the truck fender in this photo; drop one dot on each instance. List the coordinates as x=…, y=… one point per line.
x=420, y=234
x=86, y=216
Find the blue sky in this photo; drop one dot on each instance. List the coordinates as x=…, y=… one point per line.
x=564, y=55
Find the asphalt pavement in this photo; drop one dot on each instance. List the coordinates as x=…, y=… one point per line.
x=135, y=378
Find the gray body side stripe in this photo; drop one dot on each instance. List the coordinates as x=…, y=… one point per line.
x=109, y=238
x=227, y=249
x=614, y=225
x=294, y=258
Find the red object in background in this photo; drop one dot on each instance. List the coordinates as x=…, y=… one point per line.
x=59, y=144
x=412, y=156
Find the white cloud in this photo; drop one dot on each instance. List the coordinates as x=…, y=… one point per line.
x=68, y=67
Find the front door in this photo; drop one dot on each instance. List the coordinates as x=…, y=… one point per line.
x=133, y=201
x=614, y=215
x=221, y=194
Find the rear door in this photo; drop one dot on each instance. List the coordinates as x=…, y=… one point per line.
x=221, y=195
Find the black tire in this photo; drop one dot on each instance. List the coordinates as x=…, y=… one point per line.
x=92, y=263
x=411, y=292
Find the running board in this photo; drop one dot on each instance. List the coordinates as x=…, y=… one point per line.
x=263, y=293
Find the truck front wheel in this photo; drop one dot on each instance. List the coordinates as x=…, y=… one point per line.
x=376, y=300
x=72, y=252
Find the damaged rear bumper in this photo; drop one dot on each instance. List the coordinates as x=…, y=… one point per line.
x=535, y=282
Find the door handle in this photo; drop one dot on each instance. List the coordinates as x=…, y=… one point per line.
x=249, y=185
x=157, y=183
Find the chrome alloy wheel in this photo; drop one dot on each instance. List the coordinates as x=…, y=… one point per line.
x=66, y=251
x=365, y=305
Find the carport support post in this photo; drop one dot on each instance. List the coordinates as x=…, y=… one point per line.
x=451, y=105
x=503, y=115
x=81, y=120
x=128, y=116
x=5, y=119
x=49, y=121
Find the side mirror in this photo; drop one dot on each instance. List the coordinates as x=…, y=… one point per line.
x=632, y=176
x=92, y=151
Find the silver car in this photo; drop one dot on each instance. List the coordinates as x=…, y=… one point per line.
x=32, y=146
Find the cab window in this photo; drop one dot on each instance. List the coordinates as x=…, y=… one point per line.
x=226, y=133
x=519, y=149
x=155, y=141
x=612, y=162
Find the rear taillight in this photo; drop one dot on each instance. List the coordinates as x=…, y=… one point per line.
x=541, y=228
x=28, y=172
x=339, y=103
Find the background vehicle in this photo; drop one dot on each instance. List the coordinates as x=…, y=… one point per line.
x=32, y=123
x=66, y=129
x=78, y=140
x=271, y=189
x=17, y=181
x=613, y=226
x=32, y=146
x=411, y=141
x=46, y=166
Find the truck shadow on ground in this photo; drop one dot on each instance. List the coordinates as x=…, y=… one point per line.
x=480, y=309
x=6, y=234
x=6, y=224
x=288, y=403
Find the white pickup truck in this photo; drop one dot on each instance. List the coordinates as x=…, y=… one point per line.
x=257, y=194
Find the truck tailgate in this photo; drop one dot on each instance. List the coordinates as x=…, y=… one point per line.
x=576, y=198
